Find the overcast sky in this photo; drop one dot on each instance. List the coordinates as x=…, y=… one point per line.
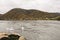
x=43, y=5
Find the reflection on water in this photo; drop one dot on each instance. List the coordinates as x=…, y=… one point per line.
x=33, y=30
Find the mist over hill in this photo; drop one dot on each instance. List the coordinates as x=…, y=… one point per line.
x=32, y=14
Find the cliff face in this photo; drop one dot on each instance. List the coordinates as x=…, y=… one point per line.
x=22, y=14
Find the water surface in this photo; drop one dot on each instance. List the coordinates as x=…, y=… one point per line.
x=33, y=30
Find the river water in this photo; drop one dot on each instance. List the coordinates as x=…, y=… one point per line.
x=33, y=30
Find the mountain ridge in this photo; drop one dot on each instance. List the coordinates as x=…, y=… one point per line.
x=32, y=14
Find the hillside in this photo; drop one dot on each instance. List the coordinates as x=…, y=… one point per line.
x=23, y=14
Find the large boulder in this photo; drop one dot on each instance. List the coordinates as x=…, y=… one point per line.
x=4, y=36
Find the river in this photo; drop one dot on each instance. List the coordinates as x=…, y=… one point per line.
x=33, y=30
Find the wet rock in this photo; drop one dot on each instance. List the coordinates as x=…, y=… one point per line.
x=22, y=38
x=13, y=37
x=4, y=36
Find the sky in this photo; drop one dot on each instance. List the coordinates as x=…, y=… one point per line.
x=43, y=5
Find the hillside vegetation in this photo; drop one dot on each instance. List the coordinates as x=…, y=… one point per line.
x=23, y=14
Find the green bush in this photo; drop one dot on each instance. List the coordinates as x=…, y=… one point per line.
x=57, y=18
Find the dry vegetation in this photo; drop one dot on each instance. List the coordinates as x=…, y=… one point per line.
x=22, y=14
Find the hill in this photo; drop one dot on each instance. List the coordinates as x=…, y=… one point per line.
x=23, y=14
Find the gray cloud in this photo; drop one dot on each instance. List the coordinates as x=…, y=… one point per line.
x=44, y=5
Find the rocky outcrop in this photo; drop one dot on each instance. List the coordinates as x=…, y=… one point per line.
x=4, y=36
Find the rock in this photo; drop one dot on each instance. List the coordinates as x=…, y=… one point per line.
x=22, y=38
x=5, y=36
x=13, y=37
